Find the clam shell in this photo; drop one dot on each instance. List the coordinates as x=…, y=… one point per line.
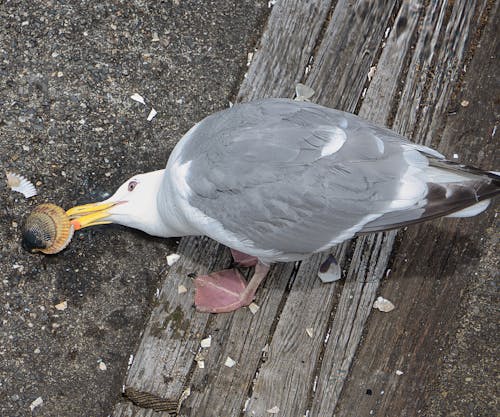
x=47, y=229
x=20, y=184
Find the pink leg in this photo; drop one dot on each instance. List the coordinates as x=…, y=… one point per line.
x=242, y=259
x=225, y=291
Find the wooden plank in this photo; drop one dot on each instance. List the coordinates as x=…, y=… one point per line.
x=338, y=358
x=164, y=357
x=218, y=390
x=436, y=266
x=285, y=49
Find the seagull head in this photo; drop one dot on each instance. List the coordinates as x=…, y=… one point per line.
x=134, y=204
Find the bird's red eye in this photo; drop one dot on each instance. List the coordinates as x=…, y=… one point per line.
x=132, y=185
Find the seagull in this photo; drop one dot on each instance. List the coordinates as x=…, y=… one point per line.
x=277, y=180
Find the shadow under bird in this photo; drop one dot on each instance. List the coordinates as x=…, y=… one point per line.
x=277, y=180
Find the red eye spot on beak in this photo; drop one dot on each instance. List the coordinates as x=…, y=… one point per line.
x=132, y=185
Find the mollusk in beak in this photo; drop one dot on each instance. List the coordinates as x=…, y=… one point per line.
x=47, y=229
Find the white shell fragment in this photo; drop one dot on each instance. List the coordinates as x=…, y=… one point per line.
x=20, y=184
x=181, y=289
x=274, y=410
x=229, y=362
x=36, y=403
x=186, y=393
x=303, y=92
x=152, y=114
x=398, y=372
x=63, y=305
x=309, y=331
x=384, y=305
x=329, y=270
x=253, y=308
x=102, y=366
x=200, y=360
x=205, y=343
x=172, y=258
x=371, y=73
x=138, y=98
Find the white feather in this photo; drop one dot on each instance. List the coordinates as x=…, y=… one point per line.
x=336, y=141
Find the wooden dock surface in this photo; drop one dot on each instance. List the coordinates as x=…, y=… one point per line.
x=399, y=64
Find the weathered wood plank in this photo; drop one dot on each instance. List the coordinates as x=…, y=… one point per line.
x=164, y=357
x=285, y=49
x=431, y=274
x=218, y=390
x=357, y=27
x=329, y=382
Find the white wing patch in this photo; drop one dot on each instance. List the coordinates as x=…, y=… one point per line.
x=472, y=210
x=380, y=144
x=179, y=175
x=337, y=139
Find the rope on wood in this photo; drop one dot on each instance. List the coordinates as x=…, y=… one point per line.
x=147, y=400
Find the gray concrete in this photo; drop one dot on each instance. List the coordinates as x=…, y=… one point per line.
x=67, y=69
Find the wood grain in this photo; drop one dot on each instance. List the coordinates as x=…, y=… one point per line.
x=435, y=266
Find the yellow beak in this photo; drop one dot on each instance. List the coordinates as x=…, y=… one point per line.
x=90, y=214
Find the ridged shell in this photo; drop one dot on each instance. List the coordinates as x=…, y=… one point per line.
x=47, y=229
x=20, y=184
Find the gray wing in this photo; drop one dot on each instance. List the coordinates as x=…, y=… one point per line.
x=296, y=177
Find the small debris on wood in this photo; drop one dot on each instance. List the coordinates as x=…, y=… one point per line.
x=155, y=37
x=464, y=103
x=152, y=114
x=371, y=73
x=36, y=403
x=383, y=304
x=274, y=410
x=102, y=366
x=249, y=58
x=246, y=404
x=329, y=271
x=20, y=184
x=63, y=305
x=229, y=362
x=138, y=98
x=309, y=331
x=200, y=360
x=455, y=156
x=398, y=372
x=186, y=393
x=303, y=92
x=172, y=258
x=181, y=289
x=253, y=308
x=205, y=343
